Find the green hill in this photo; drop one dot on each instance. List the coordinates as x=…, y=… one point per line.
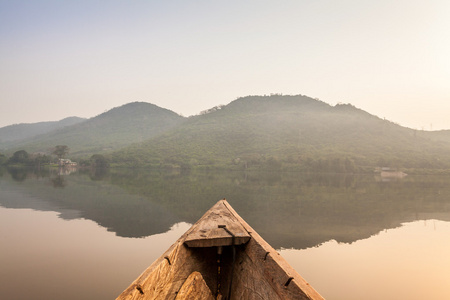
x=440, y=136
x=116, y=128
x=13, y=134
x=289, y=132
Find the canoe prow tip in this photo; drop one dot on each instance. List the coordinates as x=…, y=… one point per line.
x=222, y=201
x=219, y=226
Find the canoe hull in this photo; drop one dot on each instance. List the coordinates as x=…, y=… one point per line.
x=251, y=270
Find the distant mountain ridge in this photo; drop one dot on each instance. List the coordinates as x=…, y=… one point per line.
x=276, y=132
x=293, y=132
x=116, y=128
x=17, y=132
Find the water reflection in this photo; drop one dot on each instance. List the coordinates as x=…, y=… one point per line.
x=328, y=217
x=58, y=181
x=98, y=173
x=45, y=257
x=409, y=262
x=289, y=210
x=18, y=174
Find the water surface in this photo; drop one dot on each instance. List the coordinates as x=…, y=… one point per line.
x=408, y=262
x=88, y=235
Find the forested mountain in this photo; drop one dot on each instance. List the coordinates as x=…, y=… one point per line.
x=289, y=132
x=9, y=135
x=116, y=128
x=260, y=132
x=440, y=135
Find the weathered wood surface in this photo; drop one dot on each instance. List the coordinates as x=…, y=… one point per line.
x=194, y=288
x=264, y=274
x=160, y=280
x=259, y=271
x=217, y=228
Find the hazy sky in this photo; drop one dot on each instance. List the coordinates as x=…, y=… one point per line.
x=64, y=58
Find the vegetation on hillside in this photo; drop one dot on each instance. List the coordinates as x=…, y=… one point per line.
x=23, y=158
x=116, y=128
x=290, y=133
x=13, y=134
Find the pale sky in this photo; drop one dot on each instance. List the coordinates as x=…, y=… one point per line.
x=81, y=58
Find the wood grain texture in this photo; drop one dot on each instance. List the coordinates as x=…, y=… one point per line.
x=273, y=269
x=194, y=288
x=218, y=228
x=256, y=271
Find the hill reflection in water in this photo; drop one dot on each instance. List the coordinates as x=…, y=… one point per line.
x=409, y=262
x=289, y=210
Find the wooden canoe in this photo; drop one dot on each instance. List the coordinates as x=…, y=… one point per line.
x=220, y=257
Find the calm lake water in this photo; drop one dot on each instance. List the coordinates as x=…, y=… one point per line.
x=89, y=235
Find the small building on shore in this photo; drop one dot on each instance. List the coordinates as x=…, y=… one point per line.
x=389, y=173
x=67, y=162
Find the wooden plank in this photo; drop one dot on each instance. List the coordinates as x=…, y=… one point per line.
x=268, y=265
x=164, y=278
x=194, y=288
x=259, y=271
x=248, y=282
x=219, y=227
